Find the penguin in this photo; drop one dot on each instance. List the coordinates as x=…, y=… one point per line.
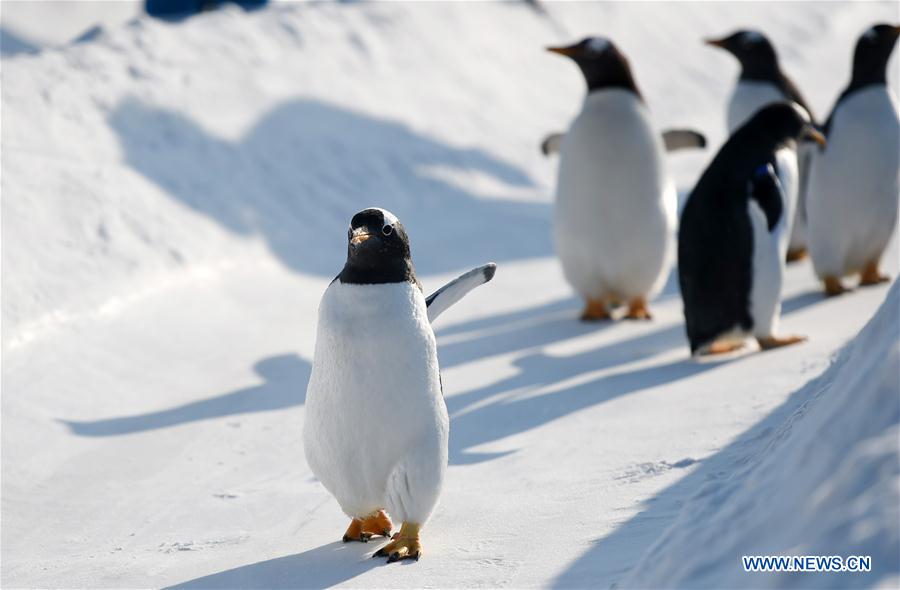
x=376, y=426
x=762, y=82
x=855, y=180
x=730, y=251
x=615, y=207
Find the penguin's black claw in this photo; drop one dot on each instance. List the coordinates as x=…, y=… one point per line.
x=386, y=533
x=379, y=553
x=347, y=539
x=395, y=556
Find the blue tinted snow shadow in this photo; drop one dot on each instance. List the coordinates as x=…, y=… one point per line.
x=12, y=44
x=322, y=567
x=503, y=418
x=531, y=329
x=285, y=378
x=297, y=177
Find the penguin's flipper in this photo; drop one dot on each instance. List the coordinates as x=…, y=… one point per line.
x=443, y=298
x=682, y=139
x=551, y=143
x=766, y=190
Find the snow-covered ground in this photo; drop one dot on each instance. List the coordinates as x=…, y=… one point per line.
x=175, y=200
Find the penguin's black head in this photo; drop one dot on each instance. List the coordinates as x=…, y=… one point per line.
x=601, y=62
x=756, y=54
x=779, y=122
x=873, y=50
x=377, y=249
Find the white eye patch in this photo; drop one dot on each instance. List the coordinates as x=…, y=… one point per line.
x=597, y=44
x=389, y=218
x=801, y=111
x=751, y=37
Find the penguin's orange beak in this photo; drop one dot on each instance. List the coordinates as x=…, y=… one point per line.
x=360, y=235
x=715, y=42
x=570, y=51
x=816, y=136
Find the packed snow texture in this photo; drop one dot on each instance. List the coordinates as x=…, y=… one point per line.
x=175, y=199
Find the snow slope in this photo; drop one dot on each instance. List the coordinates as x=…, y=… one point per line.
x=174, y=202
x=822, y=480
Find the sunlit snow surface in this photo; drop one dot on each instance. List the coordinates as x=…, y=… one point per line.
x=175, y=199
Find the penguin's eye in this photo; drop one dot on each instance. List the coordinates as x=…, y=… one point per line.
x=387, y=229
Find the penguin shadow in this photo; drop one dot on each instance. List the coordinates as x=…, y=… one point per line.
x=520, y=411
x=533, y=328
x=285, y=377
x=522, y=329
x=297, y=177
x=322, y=567
x=802, y=300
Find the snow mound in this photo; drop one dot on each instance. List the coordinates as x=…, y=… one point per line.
x=823, y=483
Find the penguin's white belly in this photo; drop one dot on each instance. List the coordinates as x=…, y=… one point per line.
x=615, y=213
x=376, y=425
x=748, y=97
x=806, y=151
x=854, y=185
x=789, y=178
x=770, y=247
x=768, y=271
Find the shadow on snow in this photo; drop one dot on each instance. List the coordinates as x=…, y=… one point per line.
x=299, y=175
x=321, y=567
x=285, y=377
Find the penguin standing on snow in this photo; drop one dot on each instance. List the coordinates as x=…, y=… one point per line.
x=376, y=425
x=730, y=252
x=615, y=209
x=855, y=181
x=762, y=82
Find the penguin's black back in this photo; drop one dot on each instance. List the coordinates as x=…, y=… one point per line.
x=715, y=254
x=715, y=239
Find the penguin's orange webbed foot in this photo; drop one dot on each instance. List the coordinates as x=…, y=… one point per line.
x=637, y=310
x=378, y=524
x=770, y=342
x=403, y=545
x=723, y=347
x=834, y=287
x=871, y=276
x=354, y=532
x=796, y=254
x=363, y=529
x=594, y=311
